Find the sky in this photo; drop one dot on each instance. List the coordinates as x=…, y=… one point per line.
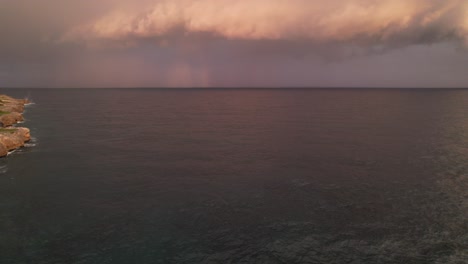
x=234, y=43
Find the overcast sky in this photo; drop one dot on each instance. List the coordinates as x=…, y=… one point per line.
x=232, y=43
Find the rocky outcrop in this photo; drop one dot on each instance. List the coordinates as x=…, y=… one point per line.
x=10, y=118
x=12, y=137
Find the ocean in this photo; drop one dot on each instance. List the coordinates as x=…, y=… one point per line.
x=238, y=176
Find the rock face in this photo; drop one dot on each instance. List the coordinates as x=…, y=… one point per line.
x=10, y=118
x=11, y=113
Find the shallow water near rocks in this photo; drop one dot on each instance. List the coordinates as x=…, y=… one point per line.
x=238, y=176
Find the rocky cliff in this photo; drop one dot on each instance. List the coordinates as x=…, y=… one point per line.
x=12, y=137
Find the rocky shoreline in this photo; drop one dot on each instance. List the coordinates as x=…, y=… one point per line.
x=11, y=112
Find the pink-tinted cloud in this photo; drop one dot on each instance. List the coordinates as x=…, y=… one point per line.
x=110, y=43
x=354, y=21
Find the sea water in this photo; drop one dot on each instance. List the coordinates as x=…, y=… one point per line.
x=238, y=176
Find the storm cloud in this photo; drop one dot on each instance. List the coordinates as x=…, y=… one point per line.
x=356, y=21
x=232, y=43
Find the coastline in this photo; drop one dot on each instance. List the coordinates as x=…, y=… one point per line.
x=11, y=113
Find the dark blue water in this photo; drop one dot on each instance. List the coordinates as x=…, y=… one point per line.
x=238, y=176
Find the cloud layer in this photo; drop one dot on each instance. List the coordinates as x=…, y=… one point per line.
x=110, y=43
x=361, y=22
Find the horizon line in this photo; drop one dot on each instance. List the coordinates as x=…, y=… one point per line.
x=241, y=87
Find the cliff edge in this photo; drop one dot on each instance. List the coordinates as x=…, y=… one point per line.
x=11, y=112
